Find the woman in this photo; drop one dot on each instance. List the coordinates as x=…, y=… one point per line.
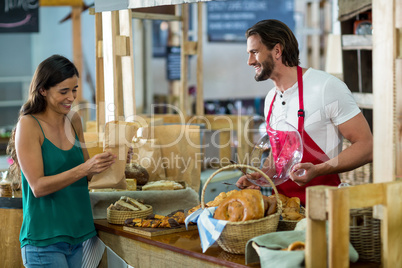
x=47, y=147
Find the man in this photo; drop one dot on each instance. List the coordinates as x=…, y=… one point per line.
x=318, y=105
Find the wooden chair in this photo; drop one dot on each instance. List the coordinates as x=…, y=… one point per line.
x=334, y=204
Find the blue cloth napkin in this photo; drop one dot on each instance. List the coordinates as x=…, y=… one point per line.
x=209, y=228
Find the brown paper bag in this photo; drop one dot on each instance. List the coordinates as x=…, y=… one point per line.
x=147, y=153
x=181, y=152
x=117, y=139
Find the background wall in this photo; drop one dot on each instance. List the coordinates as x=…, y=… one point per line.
x=226, y=73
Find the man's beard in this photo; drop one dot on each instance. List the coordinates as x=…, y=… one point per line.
x=267, y=67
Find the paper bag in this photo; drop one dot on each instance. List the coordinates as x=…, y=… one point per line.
x=181, y=151
x=117, y=139
x=147, y=153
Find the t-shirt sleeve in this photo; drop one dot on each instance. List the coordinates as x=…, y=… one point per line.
x=340, y=106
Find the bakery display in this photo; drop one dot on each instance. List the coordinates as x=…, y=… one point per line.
x=173, y=220
x=128, y=204
x=291, y=208
x=235, y=198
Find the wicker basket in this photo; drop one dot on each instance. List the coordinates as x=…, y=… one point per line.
x=357, y=176
x=235, y=235
x=289, y=225
x=365, y=234
x=118, y=217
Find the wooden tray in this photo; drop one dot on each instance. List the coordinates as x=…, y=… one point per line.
x=158, y=231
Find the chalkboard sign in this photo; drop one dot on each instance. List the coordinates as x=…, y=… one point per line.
x=173, y=61
x=228, y=20
x=19, y=16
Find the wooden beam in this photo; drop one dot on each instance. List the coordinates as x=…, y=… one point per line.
x=391, y=232
x=384, y=91
x=183, y=95
x=316, y=235
x=398, y=91
x=127, y=64
x=77, y=46
x=199, y=108
x=338, y=227
x=99, y=75
x=190, y=48
x=151, y=16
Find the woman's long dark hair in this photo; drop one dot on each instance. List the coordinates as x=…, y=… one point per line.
x=273, y=32
x=49, y=73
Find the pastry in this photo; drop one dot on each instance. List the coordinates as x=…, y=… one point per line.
x=244, y=205
x=270, y=205
x=297, y=245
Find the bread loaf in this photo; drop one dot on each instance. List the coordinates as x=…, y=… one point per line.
x=138, y=172
x=244, y=205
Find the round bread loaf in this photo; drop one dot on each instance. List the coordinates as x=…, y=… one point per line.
x=138, y=172
x=247, y=204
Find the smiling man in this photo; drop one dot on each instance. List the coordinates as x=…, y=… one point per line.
x=317, y=104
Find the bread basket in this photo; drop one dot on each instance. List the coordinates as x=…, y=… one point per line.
x=235, y=235
x=118, y=216
x=286, y=225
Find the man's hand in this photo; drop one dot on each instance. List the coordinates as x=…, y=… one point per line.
x=300, y=178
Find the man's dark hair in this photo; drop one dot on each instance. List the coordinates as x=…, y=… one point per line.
x=273, y=32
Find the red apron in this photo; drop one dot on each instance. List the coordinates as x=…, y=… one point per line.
x=312, y=153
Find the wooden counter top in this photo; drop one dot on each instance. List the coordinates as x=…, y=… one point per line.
x=188, y=244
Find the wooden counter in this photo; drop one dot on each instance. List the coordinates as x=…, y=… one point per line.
x=172, y=250
x=10, y=225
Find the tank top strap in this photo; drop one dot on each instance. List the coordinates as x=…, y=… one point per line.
x=39, y=125
x=72, y=125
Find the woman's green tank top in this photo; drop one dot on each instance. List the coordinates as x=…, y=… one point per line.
x=63, y=216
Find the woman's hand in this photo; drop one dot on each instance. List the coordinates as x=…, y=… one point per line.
x=99, y=163
x=302, y=178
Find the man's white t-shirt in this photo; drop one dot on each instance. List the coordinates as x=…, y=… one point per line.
x=327, y=103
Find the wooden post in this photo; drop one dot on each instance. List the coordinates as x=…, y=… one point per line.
x=383, y=90
x=398, y=89
x=183, y=95
x=77, y=46
x=199, y=108
x=100, y=89
x=316, y=237
x=338, y=223
x=391, y=232
x=127, y=63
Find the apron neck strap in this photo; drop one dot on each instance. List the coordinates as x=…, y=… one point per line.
x=300, y=112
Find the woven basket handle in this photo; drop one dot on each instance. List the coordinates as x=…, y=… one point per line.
x=239, y=166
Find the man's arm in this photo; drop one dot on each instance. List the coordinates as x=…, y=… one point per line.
x=357, y=131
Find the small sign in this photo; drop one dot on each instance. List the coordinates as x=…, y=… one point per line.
x=19, y=16
x=173, y=62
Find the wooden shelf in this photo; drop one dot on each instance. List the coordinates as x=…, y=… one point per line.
x=363, y=100
x=357, y=42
